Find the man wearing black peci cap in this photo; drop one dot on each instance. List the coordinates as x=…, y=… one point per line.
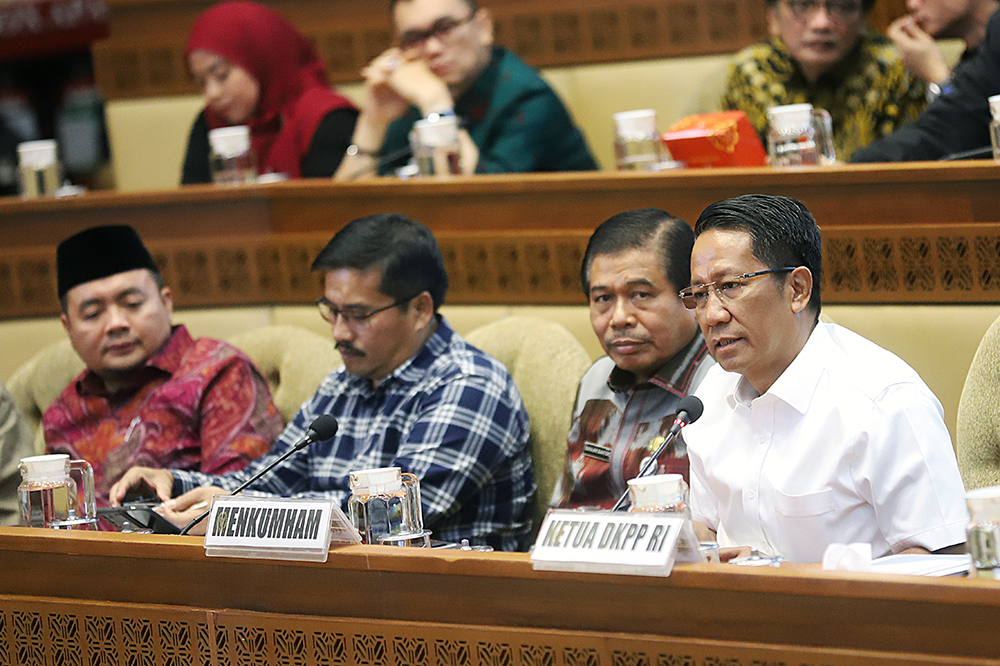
x=151, y=395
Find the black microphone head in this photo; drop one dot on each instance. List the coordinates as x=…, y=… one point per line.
x=693, y=406
x=324, y=427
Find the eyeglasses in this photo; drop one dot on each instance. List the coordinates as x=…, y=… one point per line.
x=839, y=11
x=441, y=30
x=696, y=296
x=353, y=315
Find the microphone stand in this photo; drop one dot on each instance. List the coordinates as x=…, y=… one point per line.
x=298, y=446
x=644, y=470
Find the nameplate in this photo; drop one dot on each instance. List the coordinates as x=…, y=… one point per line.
x=276, y=528
x=614, y=542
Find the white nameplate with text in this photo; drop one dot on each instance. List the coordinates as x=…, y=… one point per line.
x=275, y=528
x=614, y=542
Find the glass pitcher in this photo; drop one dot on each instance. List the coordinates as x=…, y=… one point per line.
x=385, y=507
x=799, y=135
x=49, y=496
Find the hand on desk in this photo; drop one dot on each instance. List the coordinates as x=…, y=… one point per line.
x=182, y=510
x=161, y=482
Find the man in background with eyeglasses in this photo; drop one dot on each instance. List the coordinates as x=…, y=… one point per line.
x=811, y=434
x=412, y=394
x=443, y=63
x=823, y=52
x=632, y=269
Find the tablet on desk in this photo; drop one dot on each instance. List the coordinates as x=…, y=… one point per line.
x=137, y=518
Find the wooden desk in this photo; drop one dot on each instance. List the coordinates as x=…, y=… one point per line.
x=89, y=599
x=921, y=232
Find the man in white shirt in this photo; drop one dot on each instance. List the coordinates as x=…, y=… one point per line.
x=811, y=434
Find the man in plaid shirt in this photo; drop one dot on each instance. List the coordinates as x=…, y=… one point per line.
x=412, y=394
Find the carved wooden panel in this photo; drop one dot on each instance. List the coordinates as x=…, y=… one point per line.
x=959, y=263
x=79, y=633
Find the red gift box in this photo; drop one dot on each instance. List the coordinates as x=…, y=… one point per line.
x=721, y=139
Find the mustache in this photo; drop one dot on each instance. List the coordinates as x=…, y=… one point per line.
x=347, y=347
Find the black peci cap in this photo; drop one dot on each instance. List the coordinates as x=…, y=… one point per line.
x=99, y=252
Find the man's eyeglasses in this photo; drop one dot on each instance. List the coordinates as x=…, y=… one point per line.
x=353, y=315
x=841, y=11
x=696, y=296
x=441, y=30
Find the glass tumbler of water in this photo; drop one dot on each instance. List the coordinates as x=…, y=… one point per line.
x=435, y=145
x=637, y=143
x=982, y=535
x=232, y=160
x=995, y=126
x=39, y=171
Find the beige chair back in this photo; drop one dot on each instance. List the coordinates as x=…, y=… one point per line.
x=977, y=436
x=293, y=360
x=547, y=363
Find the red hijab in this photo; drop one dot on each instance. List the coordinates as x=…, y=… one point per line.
x=294, y=94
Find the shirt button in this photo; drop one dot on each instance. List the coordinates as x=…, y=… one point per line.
x=750, y=494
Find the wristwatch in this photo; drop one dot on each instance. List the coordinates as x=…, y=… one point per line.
x=935, y=90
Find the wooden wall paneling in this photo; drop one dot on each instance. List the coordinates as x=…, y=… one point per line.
x=918, y=233
x=39, y=632
x=144, y=55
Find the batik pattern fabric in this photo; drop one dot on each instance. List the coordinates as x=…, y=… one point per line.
x=619, y=423
x=869, y=94
x=198, y=405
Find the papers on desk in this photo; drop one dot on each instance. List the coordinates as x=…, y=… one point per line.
x=922, y=565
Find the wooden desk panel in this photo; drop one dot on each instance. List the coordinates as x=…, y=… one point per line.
x=102, y=597
x=913, y=233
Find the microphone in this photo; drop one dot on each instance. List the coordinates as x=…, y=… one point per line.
x=689, y=410
x=323, y=427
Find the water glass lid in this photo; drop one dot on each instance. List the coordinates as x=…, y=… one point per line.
x=995, y=106
x=435, y=133
x=984, y=503
x=791, y=118
x=374, y=481
x=230, y=141
x=641, y=122
x=657, y=490
x=37, y=154
x=44, y=468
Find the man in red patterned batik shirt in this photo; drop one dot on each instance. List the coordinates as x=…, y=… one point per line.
x=151, y=395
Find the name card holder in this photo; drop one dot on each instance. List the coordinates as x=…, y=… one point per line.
x=645, y=544
x=276, y=528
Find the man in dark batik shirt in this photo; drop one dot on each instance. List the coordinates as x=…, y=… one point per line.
x=635, y=265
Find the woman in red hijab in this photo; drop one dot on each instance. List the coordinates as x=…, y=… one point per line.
x=256, y=69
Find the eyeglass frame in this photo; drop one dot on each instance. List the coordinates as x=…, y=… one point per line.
x=442, y=33
x=810, y=7
x=714, y=286
x=351, y=319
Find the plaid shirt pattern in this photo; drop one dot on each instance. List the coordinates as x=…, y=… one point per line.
x=451, y=415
